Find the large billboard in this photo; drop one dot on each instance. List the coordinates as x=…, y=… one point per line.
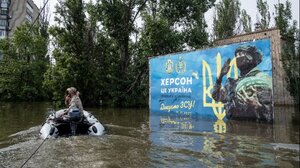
x=233, y=81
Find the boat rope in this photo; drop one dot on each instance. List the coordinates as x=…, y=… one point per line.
x=38, y=146
x=34, y=151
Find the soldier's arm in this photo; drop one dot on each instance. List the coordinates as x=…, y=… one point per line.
x=219, y=93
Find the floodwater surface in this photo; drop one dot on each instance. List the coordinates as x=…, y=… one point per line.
x=136, y=138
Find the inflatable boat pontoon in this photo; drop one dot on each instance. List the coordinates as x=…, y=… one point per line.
x=57, y=126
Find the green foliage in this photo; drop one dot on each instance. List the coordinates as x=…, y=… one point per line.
x=102, y=48
x=73, y=50
x=263, y=10
x=23, y=65
x=290, y=51
x=246, y=21
x=158, y=37
x=226, y=18
x=187, y=15
x=96, y=53
x=283, y=16
x=290, y=60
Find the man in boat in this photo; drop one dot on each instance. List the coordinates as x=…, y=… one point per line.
x=73, y=102
x=72, y=99
x=250, y=95
x=66, y=121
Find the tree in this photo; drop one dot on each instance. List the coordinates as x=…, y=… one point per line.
x=118, y=19
x=44, y=20
x=246, y=21
x=226, y=18
x=263, y=10
x=290, y=50
x=74, y=53
x=118, y=22
x=24, y=64
x=283, y=19
x=188, y=17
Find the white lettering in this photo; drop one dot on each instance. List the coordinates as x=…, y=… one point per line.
x=163, y=90
x=168, y=108
x=176, y=81
x=180, y=90
x=162, y=82
x=189, y=81
x=171, y=81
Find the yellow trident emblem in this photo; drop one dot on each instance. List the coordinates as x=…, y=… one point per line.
x=208, y=84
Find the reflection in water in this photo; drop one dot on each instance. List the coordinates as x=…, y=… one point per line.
x=218, y=142
x=220, y=126
x=131, y=141
x=286, y=127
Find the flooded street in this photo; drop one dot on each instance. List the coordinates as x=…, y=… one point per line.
x=135, y=138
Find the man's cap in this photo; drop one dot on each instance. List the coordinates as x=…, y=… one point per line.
x=250, y=50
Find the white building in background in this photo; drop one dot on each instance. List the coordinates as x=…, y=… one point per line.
x=13, y=13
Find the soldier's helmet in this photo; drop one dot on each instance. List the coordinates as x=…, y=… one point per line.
x=251, y=52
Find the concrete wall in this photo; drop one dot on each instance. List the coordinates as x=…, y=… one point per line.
x=280, y=94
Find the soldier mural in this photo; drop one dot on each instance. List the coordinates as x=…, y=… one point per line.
x=232, y=81
x=249, y=96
